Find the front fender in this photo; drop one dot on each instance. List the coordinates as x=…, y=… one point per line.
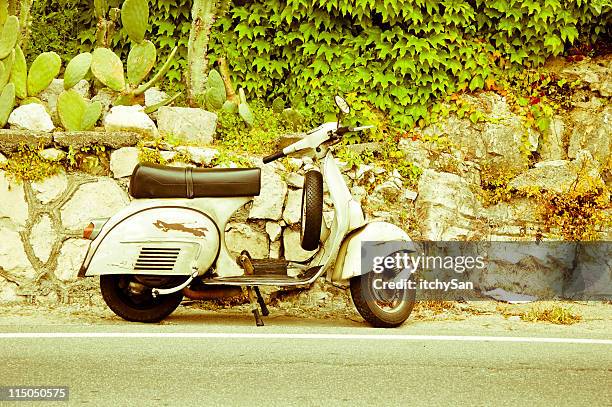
x=348, y=263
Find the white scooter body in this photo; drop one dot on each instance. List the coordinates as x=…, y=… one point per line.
x=187, y=236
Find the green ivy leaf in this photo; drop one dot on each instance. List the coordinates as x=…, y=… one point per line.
x=553, y=43
x=477, y=82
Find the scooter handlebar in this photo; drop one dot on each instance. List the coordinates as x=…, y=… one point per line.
x=300, y=145
x=272, y=157
x=341, y=131
x=361, y=128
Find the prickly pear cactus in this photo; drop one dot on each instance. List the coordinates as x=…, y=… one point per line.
x=7, y=64
x=135, y=18
x=158, y=75
x=244, y=110
x=215, y=92
x=214, y=100
x=91, y=115
x=215, y=81
x=141, y=60
x=242, y=96
x=230, y=107
x=3, y=11
x=77, y=69
x=70, y=108
x=245, y=113
x=2, y=73
x=30, y=100
x=278, y=105
x=108, y=69
x=44, y=69
x=292, y=117
x=7, y=102
x=75, y=113
x=9, y=36
x=19, y=74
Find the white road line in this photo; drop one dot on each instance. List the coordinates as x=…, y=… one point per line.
x=212, y=335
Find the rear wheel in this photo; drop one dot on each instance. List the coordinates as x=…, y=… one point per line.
x=382, y=308
x=131, y=298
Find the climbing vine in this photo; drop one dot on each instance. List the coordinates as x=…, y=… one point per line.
x=400, y=55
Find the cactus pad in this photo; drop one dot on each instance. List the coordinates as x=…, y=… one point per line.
x=278, y=105
x=7, y=102
x=215, y=94
x=91, y=115
x=215, y=81
x=242, y=96
x=19, y=74
x=7, y=64
x=230, y=106
x=77, y=69
x=76, y=113
x=108, y=69
x=214, y=98
x=9, y=36
x=135, y=18
x=70, y=108
x=30, y=100
x=3, y=11
x=293, y=118
x=141, y=60
x=158, y=75
x=44, y=69
x=245, y=113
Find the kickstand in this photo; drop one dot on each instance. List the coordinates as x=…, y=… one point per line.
x=264, y=310
x=254, y=307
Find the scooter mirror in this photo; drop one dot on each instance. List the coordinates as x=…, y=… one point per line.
x=342, y=104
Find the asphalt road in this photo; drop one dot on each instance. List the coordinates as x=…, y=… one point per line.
x=309, y=365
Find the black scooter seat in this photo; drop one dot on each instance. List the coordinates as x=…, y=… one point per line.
x=159, y=181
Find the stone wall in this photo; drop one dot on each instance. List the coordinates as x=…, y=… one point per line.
x=41, y=222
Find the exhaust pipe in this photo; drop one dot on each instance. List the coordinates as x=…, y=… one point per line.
x=213, y=292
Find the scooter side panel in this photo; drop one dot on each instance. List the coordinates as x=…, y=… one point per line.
x=160, y=241
x=348, y=264
x=341, y=197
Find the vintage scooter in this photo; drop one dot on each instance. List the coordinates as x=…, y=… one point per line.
x=170, y=241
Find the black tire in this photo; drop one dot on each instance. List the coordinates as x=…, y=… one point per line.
x=136, y=308
x=312, y=210
x=364, y=297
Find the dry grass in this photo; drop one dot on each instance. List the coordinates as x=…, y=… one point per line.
x=435, y=307
x=554, y=314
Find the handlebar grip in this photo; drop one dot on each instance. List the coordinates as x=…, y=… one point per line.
x=272, y=157
x=341, y=131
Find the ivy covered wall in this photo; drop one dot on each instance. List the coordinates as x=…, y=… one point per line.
x=400, y=55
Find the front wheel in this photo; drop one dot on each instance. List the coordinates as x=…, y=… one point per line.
x=382, y=308
x=130, y=297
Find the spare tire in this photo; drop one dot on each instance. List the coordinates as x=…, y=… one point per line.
x=312, y=210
